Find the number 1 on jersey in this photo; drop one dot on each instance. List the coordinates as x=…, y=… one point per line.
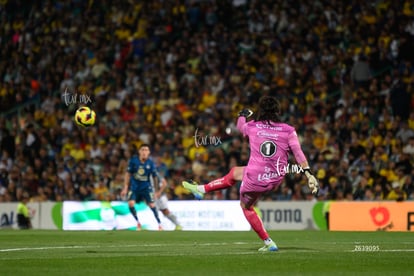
x=268, y=148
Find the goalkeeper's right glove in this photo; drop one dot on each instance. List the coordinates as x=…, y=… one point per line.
x=313, y=183
x=246, y=113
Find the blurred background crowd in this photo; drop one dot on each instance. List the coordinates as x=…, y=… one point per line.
x=175, y=73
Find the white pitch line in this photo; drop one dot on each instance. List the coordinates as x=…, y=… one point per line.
x=397, y=250
x=111, y=246
x=42, y=248
x=153, y=245
x=192, y=245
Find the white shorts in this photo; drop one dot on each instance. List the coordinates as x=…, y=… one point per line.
x=162, y=202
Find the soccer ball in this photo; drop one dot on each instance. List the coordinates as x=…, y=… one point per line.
x=85, y=116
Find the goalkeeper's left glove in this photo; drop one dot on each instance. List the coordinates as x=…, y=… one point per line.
x=313, y=183
x=246, y=113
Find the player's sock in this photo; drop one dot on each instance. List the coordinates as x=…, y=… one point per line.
x=268, y=241
x=155, y=211
x=134, y=213
x=221, y=183
x=201, y=188
x=256, y=223
x=173, y=218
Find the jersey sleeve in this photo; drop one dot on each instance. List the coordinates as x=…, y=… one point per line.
x=241, y=124
x=295, y=147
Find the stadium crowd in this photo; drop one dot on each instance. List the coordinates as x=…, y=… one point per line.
x=174, y=74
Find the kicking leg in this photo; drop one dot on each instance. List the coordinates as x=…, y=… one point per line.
x=235, y=173
x=224, y=182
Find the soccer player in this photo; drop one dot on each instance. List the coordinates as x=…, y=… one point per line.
x=161, y=200
x=235, y=174
x=270, y=143
x=137, y=182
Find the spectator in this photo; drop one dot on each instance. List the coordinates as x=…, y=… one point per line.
x=101, y=191
x=404, y=133
x=361, y=72
x=396, y=193
x=409, y=147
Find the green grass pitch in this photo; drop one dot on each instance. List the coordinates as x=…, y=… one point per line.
x=41, y=252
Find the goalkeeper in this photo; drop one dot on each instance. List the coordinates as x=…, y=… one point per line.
x=236, y=174
x=270, y=142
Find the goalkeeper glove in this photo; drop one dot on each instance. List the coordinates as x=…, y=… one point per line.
x=246, y=113
x=312, y=181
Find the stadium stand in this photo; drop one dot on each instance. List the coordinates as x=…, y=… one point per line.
x=170, y=72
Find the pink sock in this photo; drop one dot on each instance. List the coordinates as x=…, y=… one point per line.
x=221, y=183
x=255, y=222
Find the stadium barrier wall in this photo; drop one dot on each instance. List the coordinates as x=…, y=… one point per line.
x=371, y=216
x=219, y=215
x=193, y=215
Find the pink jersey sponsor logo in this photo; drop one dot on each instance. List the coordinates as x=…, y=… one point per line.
x=266, y=126
x=264, y=133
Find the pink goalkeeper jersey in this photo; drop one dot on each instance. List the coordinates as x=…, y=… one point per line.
x=270, y=145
